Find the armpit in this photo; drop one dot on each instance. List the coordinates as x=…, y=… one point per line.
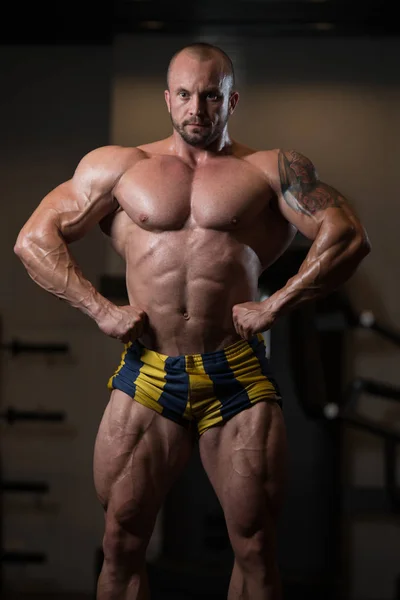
x=106, y=223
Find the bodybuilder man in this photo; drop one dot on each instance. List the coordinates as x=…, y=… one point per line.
x=197, y=218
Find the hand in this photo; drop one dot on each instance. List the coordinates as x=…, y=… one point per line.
x=124, y=323
x=250, y=318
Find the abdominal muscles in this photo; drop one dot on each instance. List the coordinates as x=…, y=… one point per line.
x=187, y=282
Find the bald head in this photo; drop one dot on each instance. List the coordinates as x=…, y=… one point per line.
x=199, y=94
x=203, y=52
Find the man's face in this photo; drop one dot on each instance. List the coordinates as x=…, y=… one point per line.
x=199, y=99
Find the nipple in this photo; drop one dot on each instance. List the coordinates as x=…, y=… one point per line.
x=143, y=218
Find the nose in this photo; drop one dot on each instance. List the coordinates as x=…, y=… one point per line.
x=196, y=105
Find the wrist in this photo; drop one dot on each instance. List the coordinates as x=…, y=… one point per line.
x=277, y=304
x=271, y=306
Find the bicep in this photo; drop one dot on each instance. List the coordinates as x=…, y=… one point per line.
x=69, y=211
x=306, y=201
x=72, y=208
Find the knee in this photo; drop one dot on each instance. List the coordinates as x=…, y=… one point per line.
x=255, y=552
x=123, y=547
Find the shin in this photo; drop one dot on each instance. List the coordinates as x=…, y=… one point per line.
x=123, y=575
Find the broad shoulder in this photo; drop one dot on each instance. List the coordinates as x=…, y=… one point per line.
x=265, y=160
x=280, y=164
x=111, y=157
x=104, y=166
x=275, y=159
x=100, y=169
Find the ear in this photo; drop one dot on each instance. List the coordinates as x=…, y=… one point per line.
x=233, y=100
x=167, y=99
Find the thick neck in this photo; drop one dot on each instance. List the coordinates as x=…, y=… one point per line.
x=198, y=154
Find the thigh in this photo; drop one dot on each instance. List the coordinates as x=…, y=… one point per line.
x=246, y=462
x=137, y=456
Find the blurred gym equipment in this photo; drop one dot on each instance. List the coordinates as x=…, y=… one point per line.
x=17, y=347
x=12, y=416
x=317, y=361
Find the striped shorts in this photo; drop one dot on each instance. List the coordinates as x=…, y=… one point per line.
x=207, y=389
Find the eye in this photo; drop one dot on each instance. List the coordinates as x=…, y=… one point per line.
x=183, y=94
x=213, y=96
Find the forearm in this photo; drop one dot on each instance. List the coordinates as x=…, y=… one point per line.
x=51, y=265
x=332, y=259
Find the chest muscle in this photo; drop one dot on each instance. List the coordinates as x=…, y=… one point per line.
x=163, y=194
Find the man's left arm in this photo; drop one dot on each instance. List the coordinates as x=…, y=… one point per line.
x=324, y=216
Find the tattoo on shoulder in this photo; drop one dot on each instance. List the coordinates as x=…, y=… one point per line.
x=300, y=185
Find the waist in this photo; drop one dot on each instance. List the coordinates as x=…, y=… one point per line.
x=190, y=327
x=229, y=351
x=187, y=337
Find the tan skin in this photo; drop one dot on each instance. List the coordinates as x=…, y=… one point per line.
x=197, y=218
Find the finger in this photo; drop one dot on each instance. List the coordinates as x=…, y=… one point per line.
x=247, y=330
x=235, y=322
x=241, y=331
x=234, y=317
x=248, y=334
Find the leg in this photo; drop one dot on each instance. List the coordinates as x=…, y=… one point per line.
x=138, y=454
x=245, y=460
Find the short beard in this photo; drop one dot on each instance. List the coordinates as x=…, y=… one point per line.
x=195, y=140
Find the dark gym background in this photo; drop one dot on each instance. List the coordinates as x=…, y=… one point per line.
x=320, y=77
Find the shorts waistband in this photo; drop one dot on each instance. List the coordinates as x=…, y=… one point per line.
x=228, y=351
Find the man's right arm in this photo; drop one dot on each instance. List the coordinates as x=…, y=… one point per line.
x=65, y=215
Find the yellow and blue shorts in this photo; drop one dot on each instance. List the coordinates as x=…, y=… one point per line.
x=207, y=389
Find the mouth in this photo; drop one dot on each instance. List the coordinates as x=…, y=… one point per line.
x=202, y=125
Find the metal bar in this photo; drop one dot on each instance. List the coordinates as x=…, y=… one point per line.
x=375, y=388
x=370, y=426
x=18, y=347
x=11, y=415
x=23, y=557
x=386, y=332
x=367, y=320
x=24, y=486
